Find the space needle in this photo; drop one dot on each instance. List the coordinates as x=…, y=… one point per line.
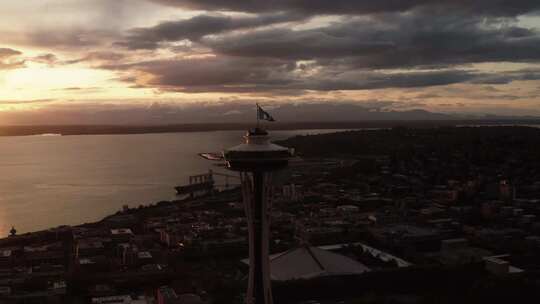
x=256, y=160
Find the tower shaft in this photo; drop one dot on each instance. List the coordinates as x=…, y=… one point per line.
x=257, y=200
x=256, y=159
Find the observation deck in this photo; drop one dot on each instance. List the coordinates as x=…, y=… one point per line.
x=257, y=153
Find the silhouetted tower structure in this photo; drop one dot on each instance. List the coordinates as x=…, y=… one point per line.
x=256, y=160
x=13, y=231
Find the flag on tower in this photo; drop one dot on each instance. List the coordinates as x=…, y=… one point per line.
x=263, y=115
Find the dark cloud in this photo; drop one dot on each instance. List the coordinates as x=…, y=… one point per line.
x=425, y=46
x=287, y=43
x=218, y=72
x=98, y=58
x=7, y=52
x=49, y=59
x=366, y=45
x=391, y=41
x=491, y=7
x=9, y=59
x=235, y=74
x=508, y=77
x=81, y=89
x=199, y=26
x=280, y=76
x=379, y=80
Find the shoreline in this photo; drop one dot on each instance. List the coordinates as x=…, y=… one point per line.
x=66, y=130
x=153, y=204
x=102, y=221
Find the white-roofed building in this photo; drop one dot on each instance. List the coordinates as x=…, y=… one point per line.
x=310, y=262
x=121, y=299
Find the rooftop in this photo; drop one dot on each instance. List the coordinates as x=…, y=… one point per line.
x=309, y=262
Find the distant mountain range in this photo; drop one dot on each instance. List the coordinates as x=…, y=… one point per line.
x=304, y=112
x=160, y=118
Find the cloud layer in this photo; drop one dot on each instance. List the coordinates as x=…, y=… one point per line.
x=492, y=7
x=360, y=48
x=445, y=51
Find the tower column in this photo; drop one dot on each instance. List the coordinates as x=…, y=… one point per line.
x=256, y=159
x=257, y=207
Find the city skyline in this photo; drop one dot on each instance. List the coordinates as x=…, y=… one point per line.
x=99, y=61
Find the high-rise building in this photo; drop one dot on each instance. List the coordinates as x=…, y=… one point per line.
x=256, y=160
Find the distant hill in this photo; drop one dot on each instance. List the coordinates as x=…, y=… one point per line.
x=201, y=127
x=497, y=142
x=229, y=113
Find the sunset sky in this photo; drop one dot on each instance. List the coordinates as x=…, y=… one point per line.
x=93, y=61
